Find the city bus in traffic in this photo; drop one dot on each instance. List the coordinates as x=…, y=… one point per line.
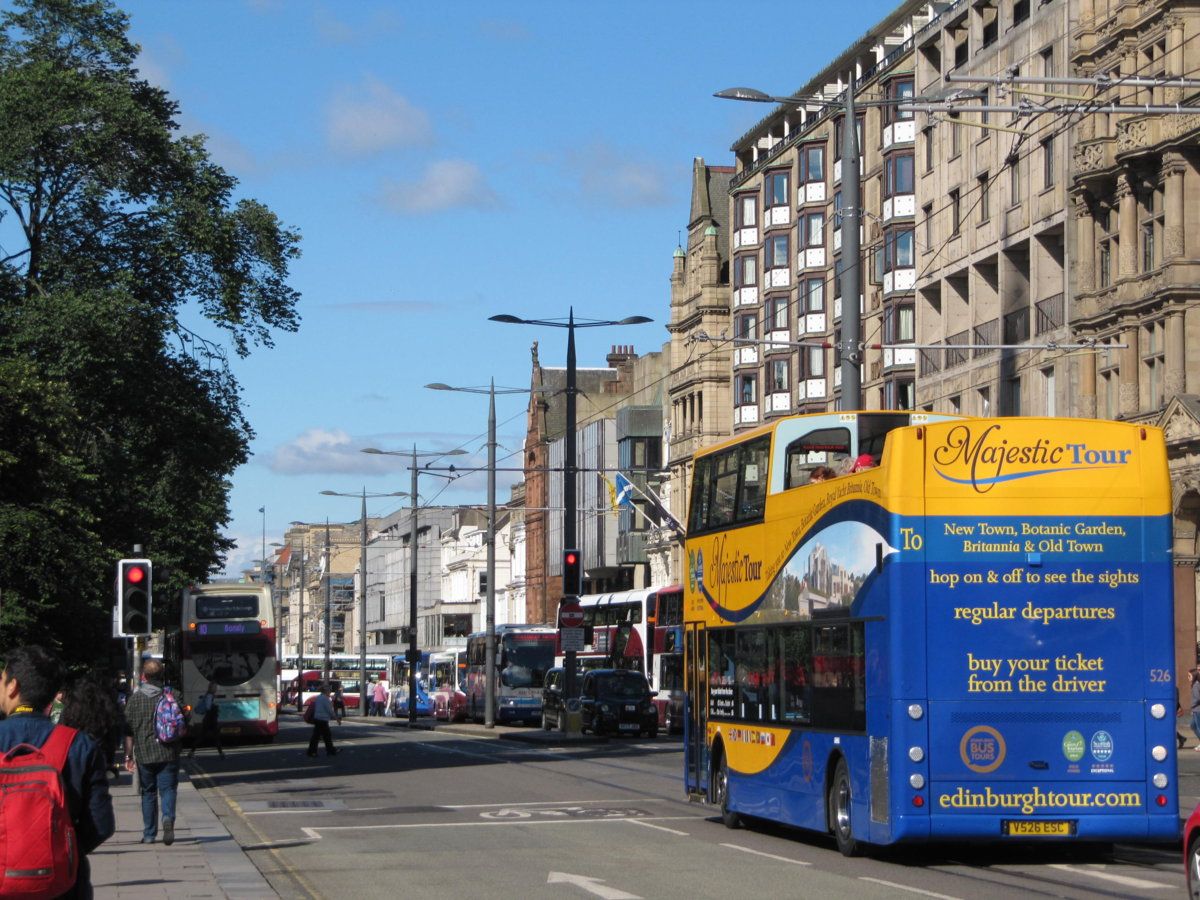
x=965, y=634
x=640, y=630
x=227, y=636
x=524, y=653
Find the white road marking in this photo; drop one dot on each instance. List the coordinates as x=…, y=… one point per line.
x=284, y=812
x=1123, y=880
x=520, y=823
x=795, y=862
x=550, y=804
x=594, y=886
x=645, y=824
x=905, y=887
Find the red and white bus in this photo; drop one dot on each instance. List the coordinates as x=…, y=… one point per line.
x=447, y=680
x=227, y=636
x=640, y=630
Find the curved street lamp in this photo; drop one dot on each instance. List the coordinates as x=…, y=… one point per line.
x=362, y=604
x=570, y=466
x=413, y=656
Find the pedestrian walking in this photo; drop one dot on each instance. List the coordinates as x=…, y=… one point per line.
x=29, y=679
x=339, y=701
x=381, y=696
x=323, y=713
x=91, y=707
x=1194, y=678
x=156, y=763
x=209, y=730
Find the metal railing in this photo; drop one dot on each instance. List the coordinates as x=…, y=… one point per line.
x=930, y=361
x=1016, y=326
x=1050, y=314
x=985, y=333
x=957, y=357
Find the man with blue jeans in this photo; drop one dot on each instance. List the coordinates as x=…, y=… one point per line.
x=156, y=763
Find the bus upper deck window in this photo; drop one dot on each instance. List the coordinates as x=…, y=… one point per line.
x=822, y=447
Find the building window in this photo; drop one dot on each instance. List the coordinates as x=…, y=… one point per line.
x=1012, y=397
x=1014, y=183
x=777, y=187
x=898, y=249
x=837, y=209
x=955, y=405
x=1048, y=392
x=1048, y=162
x=745, y=271
x=955, y=135
x=985, y=401
x=899, y=90
x=816, y=362
x=1152, y=360
x=777, y=313
x=482, y=583
x=1048, y=62
x=927, y=139
x=900, y=394
x=955, y=212
x=898, y=175
x=778, y=253
x=1110, y=382
x=837, y=136
x=780, y=384
x=1150, y=215
x=985, y=201
x=747, y=211
x=747, y=389
x=927, y=218
x=1106, y=249
x=1020, y=11
x=989, y=21
x=812, y=164
x=813, y=233
x=814, y=295
x=898, y=324
x=747, y=327
x=837, y=277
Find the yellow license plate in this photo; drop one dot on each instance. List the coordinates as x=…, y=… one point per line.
x=1022, y=828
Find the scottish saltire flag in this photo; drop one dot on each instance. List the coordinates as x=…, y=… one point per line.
x=624, y=491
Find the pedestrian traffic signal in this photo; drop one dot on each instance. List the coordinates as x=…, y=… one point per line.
x=134, y=577
x=572, y=573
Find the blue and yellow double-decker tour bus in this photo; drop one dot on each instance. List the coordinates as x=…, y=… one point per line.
x=906, y=627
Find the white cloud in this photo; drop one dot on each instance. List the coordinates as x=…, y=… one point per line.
x=323, y=451
x=245, y=555
x=372, y=118
x=445, y=184
x=607, y=177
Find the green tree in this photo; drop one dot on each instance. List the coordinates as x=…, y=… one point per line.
x=125, y=427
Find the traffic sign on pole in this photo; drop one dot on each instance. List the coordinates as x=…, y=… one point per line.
x=570, y=613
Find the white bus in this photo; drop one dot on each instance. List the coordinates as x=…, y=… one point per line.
x=524, y=653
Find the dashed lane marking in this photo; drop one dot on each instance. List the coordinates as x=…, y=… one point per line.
x=904, y=887
x=795, y=862
x=646, y=824
x=1123, y=880
x=315, y=832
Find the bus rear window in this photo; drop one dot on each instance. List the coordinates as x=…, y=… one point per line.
x=226, y=606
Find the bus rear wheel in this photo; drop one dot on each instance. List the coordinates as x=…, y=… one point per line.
x=721, y=795
x=839, y=803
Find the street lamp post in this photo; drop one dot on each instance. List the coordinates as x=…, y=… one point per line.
x=413, y=656
x=362, y=605
x=570, y=464
x=325, y=675
x=489, y=705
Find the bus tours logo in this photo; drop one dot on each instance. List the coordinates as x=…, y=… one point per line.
x=985, y=458
x=982, y=749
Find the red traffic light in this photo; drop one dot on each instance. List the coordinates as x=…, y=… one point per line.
x=571, y=559
x=135, y=574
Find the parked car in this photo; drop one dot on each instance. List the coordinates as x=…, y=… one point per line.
x=554, y=701
x=618, y=701
x=1191, y=853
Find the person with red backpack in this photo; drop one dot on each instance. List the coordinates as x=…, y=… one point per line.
x=75, y=799
x=154, y=734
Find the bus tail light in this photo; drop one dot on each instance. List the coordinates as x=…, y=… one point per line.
x=1161, y=799
x=918, y=801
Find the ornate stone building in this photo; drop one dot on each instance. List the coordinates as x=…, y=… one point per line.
x=1136, y=180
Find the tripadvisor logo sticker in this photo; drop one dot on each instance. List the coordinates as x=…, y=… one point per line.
x=1073, y=746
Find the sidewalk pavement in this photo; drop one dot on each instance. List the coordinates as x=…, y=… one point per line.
x=204, y=861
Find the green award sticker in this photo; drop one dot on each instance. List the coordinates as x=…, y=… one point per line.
x=1072, y=746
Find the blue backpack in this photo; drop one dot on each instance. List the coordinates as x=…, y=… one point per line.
x=169, y=721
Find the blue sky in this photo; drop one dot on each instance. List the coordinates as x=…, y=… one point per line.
x=446, y=162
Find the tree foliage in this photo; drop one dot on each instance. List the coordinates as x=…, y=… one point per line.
x=118, y=427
